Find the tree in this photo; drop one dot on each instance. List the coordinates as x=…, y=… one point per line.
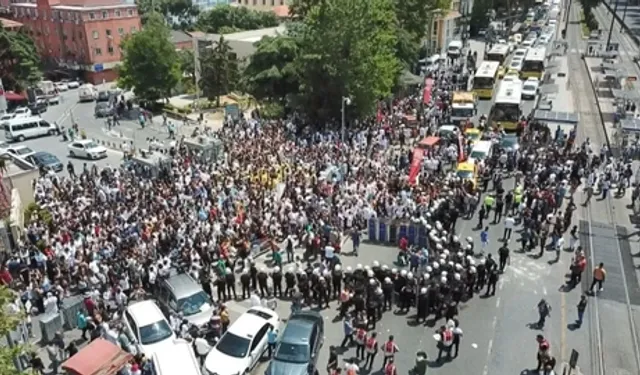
x=229, y=18
x=19, y=60
x=271, y=73
x=186, y=60
x=150, y=62
x=8, y=322
x=180, y=14
x=219, y=71
x=347, y=49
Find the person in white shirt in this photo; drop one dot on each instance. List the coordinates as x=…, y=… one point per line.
x=509, y=223
x=51, y=304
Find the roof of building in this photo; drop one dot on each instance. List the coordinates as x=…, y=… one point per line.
x=179, y=37
x=250, y=36
x=9, y=24
x=281, y=10
x=81, y=4
x=14, y=165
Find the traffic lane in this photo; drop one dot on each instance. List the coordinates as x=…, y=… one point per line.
x=58, y=113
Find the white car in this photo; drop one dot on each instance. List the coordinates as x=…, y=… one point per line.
x=148, y=326
x=7, y=116
x=53, y=100
x=240, y=348
x=73, y=84
x=87, y=149
x=22, y=151
x=22, y=112
x=511, y=77
x=530, y=88
x=61, y=86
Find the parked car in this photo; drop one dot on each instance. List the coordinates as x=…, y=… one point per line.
x=103, y=109
x=87, y=149
x=300, y=343
x=45, y=160
x=241, y=347
x=22, y=151
x=73, y=84
x=22, y=112
x=61, y=86
x=103, y=96
x=509, y=142
x=530, y=88
x=148, y=326
x=53, y=100
x=38, y=107
x=7, y=116
x=181, y=294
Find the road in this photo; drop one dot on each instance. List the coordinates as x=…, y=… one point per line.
x=70, y=110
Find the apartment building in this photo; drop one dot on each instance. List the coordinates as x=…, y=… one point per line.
x=443, y=29
x=80, y=35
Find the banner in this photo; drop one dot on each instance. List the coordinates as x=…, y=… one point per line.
x=428, y=88
x=416, y=165
x=461, y=147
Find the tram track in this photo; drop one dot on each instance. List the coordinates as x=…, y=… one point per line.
x=592, y=126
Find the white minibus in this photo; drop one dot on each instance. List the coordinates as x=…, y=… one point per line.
x=19, y=129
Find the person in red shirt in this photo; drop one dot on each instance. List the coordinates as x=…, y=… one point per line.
x=5, y=276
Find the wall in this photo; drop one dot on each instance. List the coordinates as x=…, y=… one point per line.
x=97, y=78
x=22, y=181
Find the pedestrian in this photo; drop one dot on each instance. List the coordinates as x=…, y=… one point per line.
x=347, y=326
x=457, y=336
x=582, y=306
x=503, y=255
x=272, y=339
x=201, y=348
x=484, y=238
x=332, y=363
x=509, y=223
x=544, y=311
x=372, y=350
x=599, y=275
x=361, y=338
x=389, y=349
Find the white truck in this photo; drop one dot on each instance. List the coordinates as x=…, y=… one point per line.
x=87, y=93
x=463, y=107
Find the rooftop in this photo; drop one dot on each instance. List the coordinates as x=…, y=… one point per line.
x=9, y=24
x=250, y=36
x=80, y=4
x=179, y=37
x=15, y=166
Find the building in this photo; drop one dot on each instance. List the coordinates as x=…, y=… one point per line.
x=10, y=25
x=204, y=5
x=181, y=40
x=279, y=7
x=443, y=29
x=242, y=43
x=83, y=36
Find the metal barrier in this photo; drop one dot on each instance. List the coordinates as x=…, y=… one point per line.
x=389, y=232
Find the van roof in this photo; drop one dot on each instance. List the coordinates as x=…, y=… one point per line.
x=22, y=120
x=176, y=359
x=483, y=146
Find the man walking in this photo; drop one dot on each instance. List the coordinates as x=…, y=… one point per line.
x=599, y=275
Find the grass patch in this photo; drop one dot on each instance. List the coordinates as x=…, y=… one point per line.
x=583, y=25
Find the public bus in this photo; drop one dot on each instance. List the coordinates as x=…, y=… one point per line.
x=498, y=53
x=485, y=79
x=533, y=65
x=463, y=107
x=506, y=110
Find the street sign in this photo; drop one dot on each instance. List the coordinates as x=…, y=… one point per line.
x=98, y=68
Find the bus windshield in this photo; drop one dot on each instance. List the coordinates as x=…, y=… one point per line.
x=506, y=112
x=462, y=112
x=483, y=82
x=532, y=66
x=499, y=57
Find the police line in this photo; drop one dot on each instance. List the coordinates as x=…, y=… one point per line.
x=388, y=231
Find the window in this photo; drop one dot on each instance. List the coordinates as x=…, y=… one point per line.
x=255, y=2
x=264, y=2
x=110, y=49
x=273, y=2
x=435, y=27
x=120, y=31
x=117, y=13
x=281, y=2
x=105, y=14
x=96, y=35
x=108, y=31
x=92, y=16
x=133, y=29
x=130, y=12
x=98, y=52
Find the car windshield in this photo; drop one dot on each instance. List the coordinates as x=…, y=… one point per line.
x=90, y=145
x=529, y=87
x=23, y=151
x=156, y=332
x=194, y=304
x=233, y=346
x=466, y=175
x=295, y=353
x=102, y=106
x=477, y=155
x=509, y=142
x=47, y=158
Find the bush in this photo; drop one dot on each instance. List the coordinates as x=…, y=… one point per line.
x=33, y=210
x=272, y=111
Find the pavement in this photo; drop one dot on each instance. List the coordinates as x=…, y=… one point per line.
x=627, y=15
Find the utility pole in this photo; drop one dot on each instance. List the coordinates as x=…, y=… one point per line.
x=613, y=20
x=624, y=15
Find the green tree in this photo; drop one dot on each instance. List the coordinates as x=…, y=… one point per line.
x=347, y=49
x=226, y=18
x=219, y=70
x=150, y=62
x=186, y=60
x=19, y=60
x=180, y=14
x=8, y=323
x=271, y=73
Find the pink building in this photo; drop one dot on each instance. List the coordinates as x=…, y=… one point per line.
x=81, y=35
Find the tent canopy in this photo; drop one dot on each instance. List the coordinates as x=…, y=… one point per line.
x=100, y=357
x=632, y=95
x=12, y=96
x=557, y=117
x=407, y=78
x=429, y=141
x=630, y=125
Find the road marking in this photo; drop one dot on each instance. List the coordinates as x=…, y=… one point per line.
x=563, y=328
x=495, y=321
x=486, y=366
x=498, y=302
x=544, y=290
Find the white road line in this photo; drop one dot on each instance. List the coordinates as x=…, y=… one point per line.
x=489, y=349
x=495, y=321
x=544, y=291
x=498, y=302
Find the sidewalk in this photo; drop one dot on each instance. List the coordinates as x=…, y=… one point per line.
x=627, y=12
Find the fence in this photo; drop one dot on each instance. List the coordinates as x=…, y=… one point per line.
x=390, y=232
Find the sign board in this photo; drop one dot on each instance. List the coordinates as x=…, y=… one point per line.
x=232, y=110
x=98, y=68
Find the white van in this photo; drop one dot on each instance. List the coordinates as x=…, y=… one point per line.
x=19, y=129
x=481, y=151
x=455, y=49
x=178, y=358
x=87, y=93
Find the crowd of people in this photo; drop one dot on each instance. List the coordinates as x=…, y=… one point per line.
x=110, y=234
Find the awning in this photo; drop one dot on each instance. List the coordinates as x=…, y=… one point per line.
x=632, y=95
x=429, y=141
x=557, y=117
x=630, y=125
x=100, y=357
x=12, y=96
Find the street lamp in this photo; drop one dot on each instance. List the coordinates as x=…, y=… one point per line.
x=345, y=102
